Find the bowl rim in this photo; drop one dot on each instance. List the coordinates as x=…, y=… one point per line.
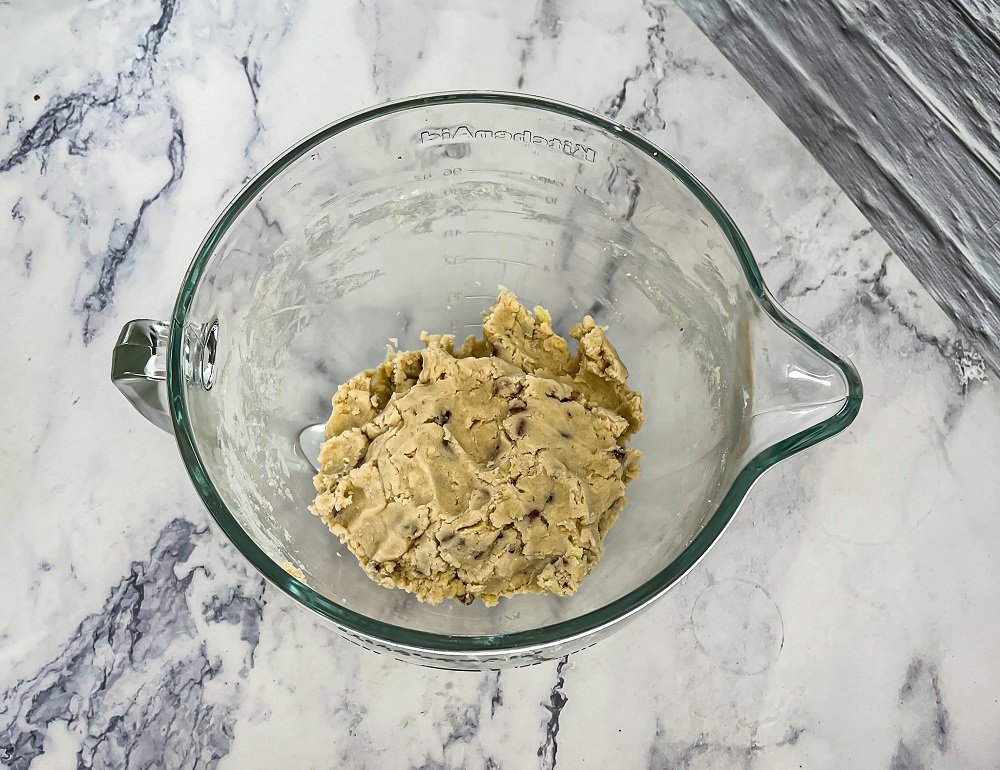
x=532, y=640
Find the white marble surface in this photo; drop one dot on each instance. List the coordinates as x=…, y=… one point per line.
x=848, y=618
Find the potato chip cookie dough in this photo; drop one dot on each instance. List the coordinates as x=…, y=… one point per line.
x=484, y=470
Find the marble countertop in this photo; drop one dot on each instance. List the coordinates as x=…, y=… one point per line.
x=848, y=618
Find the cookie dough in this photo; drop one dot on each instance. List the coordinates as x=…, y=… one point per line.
x=483, y=470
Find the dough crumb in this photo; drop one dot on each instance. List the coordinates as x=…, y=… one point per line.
x=486, y=469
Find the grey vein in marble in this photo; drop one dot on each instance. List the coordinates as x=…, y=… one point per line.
x=548, y=752
x=94, y=689
x=71, y=118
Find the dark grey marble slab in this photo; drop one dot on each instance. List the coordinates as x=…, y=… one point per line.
x=900, y=101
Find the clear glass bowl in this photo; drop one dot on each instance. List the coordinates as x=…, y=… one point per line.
x=407, y=217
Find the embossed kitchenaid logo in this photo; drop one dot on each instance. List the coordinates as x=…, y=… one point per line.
x=464, y=133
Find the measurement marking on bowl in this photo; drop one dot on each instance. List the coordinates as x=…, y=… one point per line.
x=497, y=260
x=288, y=309
x=494, y=233
x=333, y=200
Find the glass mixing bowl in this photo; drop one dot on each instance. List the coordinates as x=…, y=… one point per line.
x=407, y=217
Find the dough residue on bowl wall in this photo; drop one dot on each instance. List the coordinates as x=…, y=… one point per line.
x=488, y=469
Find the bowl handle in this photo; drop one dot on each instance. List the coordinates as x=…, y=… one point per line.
x=139, y=369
